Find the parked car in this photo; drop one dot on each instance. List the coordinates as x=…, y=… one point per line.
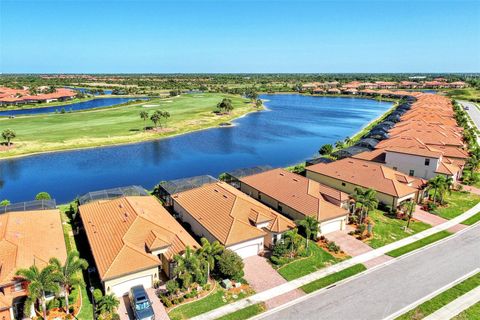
x=466, y=108
x=141, y=304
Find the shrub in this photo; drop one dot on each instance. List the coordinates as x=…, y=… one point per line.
x=166, y=302
x=171, y=286
x=97, y=295
x=431, y=206
x=280, y=249
x=230, y=265
x=4, y=203
x=332, y=246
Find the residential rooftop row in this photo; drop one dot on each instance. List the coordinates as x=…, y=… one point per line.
x=133, y=238
x=23, y=96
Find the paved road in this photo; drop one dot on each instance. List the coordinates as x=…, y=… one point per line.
x=388, y=289
x=472, y=111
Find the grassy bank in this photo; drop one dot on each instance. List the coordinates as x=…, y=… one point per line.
x=418, y=244
x=109, y=126
x=245, y=313
x=457, y=202
x=470, y=94
x=442, y=299
x=472, y=220
x=335, y=277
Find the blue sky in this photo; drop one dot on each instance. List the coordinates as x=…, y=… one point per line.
x=239, y=36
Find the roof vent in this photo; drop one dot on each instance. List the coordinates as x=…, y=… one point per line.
x=281, y=173
x=295, y=180
x=120, y=205
x=215, y=190
x=225, y=196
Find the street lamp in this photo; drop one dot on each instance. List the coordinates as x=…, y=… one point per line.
x=93, y=300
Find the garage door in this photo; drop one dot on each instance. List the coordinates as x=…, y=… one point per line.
x=122, y=289
x=330, y=226
x=247, y=251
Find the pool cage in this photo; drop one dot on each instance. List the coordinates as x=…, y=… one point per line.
x=165, y=189
x=113, y=193
x=29, y=206
x=233, y=177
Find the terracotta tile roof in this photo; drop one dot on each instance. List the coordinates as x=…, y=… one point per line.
x=299, y=193
x=367, y=174
x=417, y=151
x=17, y=95
x=119, y=230
x=229, y=214
x=28, y=238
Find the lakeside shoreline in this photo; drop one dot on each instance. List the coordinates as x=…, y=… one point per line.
x=148, y=137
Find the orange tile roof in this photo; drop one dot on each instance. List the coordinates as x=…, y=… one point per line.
x=299, y=193
x=28, y=238
x=228, y=214
x=367, y=174
x=119, y=230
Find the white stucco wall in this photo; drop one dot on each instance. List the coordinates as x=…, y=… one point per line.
x=248, y=248
x=120, y=286
x=406, y=162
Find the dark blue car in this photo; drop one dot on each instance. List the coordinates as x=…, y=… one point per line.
x=141, y=304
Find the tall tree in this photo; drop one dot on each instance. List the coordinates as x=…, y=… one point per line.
x=155, y=117
x=8, y=135
x=188, y=267
x=144, y=117
x=210, y=251
x=108, y=304
x=310, y=225
x=69, y=273
x=39, y=283
x=225, y=105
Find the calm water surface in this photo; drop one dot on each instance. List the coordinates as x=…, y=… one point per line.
x=95, y=103
x=291, y=131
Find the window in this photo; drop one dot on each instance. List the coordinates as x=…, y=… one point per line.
x=18, y=287
x=343, y=184
x=279, y=208
x=259, y=196
x=395, y=168
x=411, y=172
x=427, y=162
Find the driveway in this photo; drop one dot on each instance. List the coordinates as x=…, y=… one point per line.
x=261, y=276
x=433, y=219
x=126, y=312
x=353, y=247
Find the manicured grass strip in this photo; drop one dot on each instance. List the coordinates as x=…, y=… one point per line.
x=387, y=229
x=319, y=259
x=418, y=244
x=472, y=220
x=457, y=203
x=335, y=277
x=442, y=299
x=245, y=313
x=469, y=314
x=213, y=301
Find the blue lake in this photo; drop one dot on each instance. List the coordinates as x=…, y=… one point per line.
x=291, y=130
x=91, y=104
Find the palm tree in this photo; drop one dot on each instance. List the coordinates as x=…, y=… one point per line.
x=39, y=283
x=108, y=304
x=310, y=225
x=348, y=141
x=370, y=201
x=292, y=240
x=144, y=116
x=410, y=206
x=339, y=144
x=210, y=252
x=155, y=117
x=447, y=184
x=436, y=183
x=8, y=135
x=188, y=265
x=70, y=273
x=359, y=197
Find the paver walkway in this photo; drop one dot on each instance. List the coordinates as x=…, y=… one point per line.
x=433, y=219
x=126, y=312
x=456, y=306
x=261, y=276
x=471, y=189
x=354, y=247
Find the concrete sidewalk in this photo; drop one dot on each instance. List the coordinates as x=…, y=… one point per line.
x=297, y=283
x=456, y=306
x=433, y=219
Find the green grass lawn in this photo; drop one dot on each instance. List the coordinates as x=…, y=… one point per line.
x=245, y=313
x=46, y=132
x=472, y=220
x=471, y=313
x=212, y=301
x=418, y=244
x=387, y=230
x=335, y=277
x=442, y=299
x=457, y=203
x=465, y=94
x=318, y=259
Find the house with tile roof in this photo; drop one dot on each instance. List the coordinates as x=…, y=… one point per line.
x=298, y=197
x=26, y=238
x=133, y=241
x=392, y=187
x=218, y=211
